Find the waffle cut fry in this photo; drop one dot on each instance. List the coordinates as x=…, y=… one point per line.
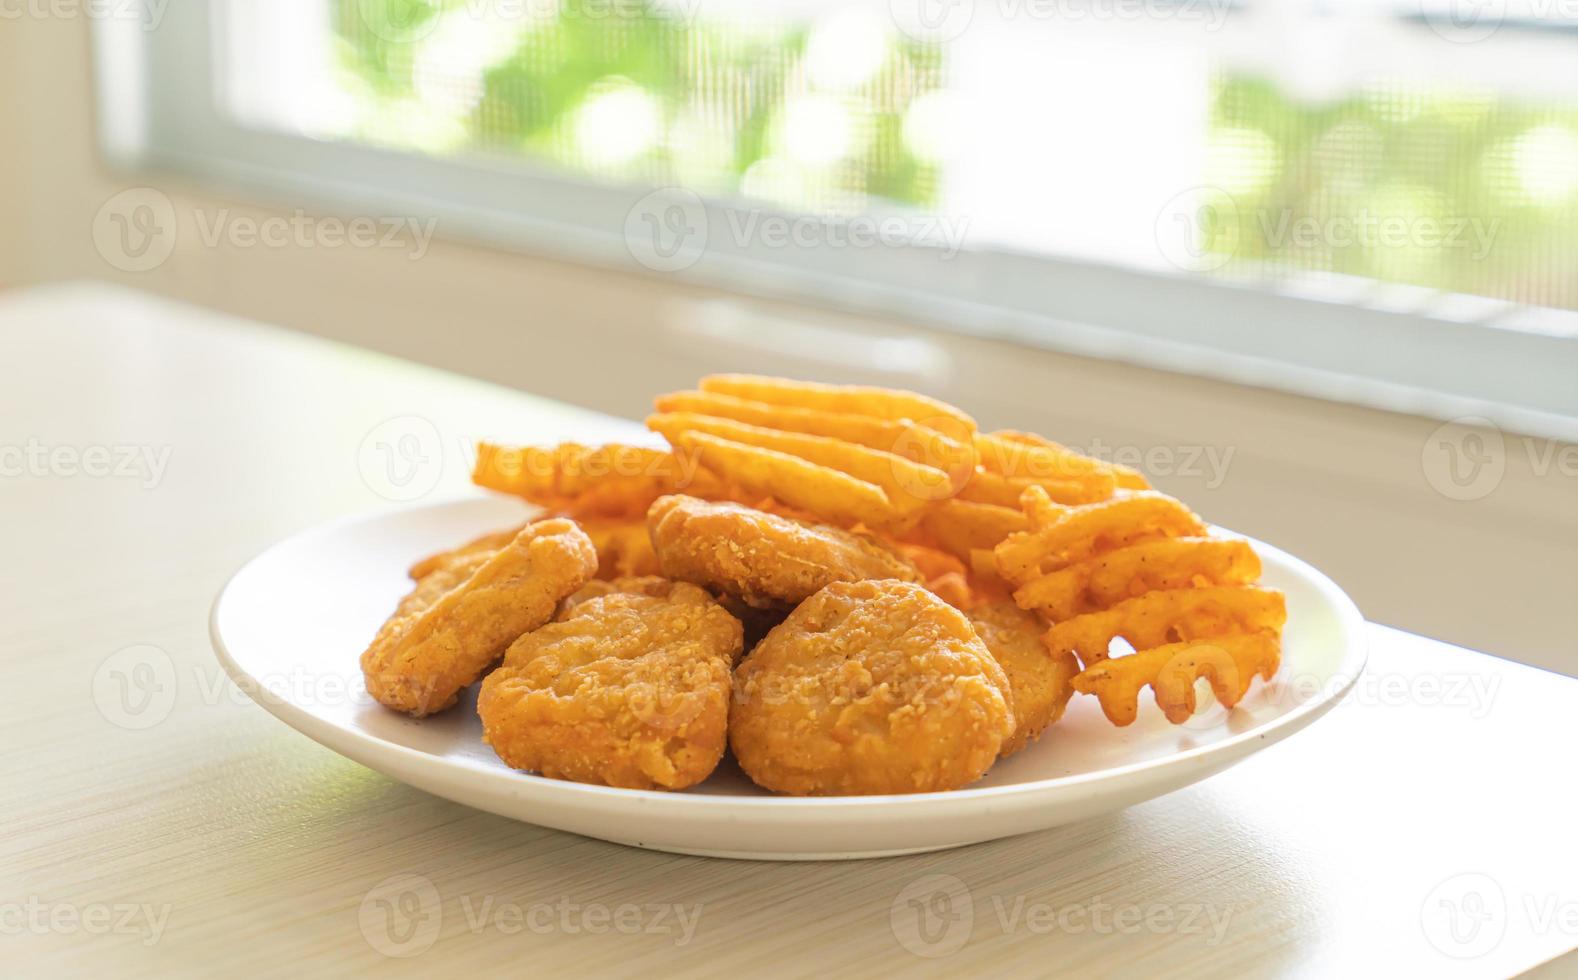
x=844, y=454
x=1229, y=663
x=1142, y=568
x=962, y=527
x=1042, y=456
x=1062, y=536
x=579, y=481
x=1010, y=462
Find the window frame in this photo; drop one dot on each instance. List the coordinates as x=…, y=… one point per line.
x=1422, y=352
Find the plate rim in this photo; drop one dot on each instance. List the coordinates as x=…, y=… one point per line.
x=1352, y=665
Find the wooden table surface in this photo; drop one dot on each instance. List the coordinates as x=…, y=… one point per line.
x=158, y=823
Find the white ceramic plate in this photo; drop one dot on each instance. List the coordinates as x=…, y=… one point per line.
x=290, y=626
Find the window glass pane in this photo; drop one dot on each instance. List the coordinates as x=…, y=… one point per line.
x=1338, y=143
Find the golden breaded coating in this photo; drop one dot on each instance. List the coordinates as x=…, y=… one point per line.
x=461, y=618
x=486, y=544
x=756, y=622
x=763, y=559
x=1039, y=682
x=870, y=687
x=624, y=689
x=655, y=586
x=624, y=549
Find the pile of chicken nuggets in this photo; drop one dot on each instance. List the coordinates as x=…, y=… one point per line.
x=852, y=589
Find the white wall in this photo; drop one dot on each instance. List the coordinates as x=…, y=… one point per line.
x=1346, y=488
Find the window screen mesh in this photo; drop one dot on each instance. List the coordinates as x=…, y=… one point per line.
x=1150, y=141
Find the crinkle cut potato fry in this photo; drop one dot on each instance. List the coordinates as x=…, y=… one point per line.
x=904, y=483
x=1177, y=615
x=829, y=494
x=1010, y=463
x=1230, y=663
x=882, y=403
x=842, y=454
x=1123, y=573
x=1060, y=536
x=611, y=480
x=1143, y=568
x=986, y=487
x=963, y=527
x=953, y=453
x=1042, y=454
x=443, y=637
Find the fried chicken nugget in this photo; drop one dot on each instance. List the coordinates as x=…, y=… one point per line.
x=756, y=622
x=765, y=560
x=869, y=687
x=489, y=543
x=655, y=586
x=628, y=689
x=462, y=616
x=1040, y=681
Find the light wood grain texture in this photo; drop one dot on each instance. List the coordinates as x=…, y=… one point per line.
x=218, y=840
